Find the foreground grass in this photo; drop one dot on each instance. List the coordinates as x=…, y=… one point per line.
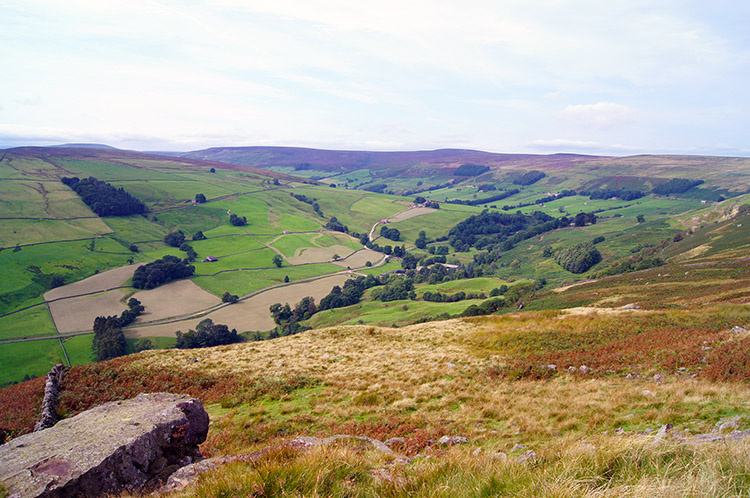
x=601, y=467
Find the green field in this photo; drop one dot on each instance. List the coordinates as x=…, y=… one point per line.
x=26, y=323
x=243, y=282
x=28, y=359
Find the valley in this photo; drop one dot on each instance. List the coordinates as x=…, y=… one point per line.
x=467, y=324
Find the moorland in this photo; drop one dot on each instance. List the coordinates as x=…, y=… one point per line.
x=570, y=305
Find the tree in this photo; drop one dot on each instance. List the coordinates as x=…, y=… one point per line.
x=199, y=235
x=133, y=248
x=278, y=260
x=237, y=221
x=212, y=170
x=109, y=341
x=640, y=218
x=286, y=279
x=200, y=198
x=421, y=241
x=174, y=239
x=227, y=297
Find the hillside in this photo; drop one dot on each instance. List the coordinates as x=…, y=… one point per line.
x=569, y=396
x=578, y=170
x=585, y=380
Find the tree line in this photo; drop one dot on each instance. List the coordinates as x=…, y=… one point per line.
x=105, y=199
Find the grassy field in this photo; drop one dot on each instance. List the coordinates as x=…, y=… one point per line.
x=28, y=359
x=26, y=323
x=243, y=282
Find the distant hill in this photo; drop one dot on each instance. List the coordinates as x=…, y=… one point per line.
x=349, y=160
x=640, y=171
x=86, y=146
x=108, y=154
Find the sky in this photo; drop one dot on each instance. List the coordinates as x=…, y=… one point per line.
x=616, y=77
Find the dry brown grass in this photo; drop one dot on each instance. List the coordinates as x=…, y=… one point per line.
x=359, y=259
x=177, y=298
x=78, y=313
x=410, y=213
x=318, y=254
x=96, y=283
x=249, y=314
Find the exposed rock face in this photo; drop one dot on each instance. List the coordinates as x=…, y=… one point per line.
x=51, y=398
x=114, y=447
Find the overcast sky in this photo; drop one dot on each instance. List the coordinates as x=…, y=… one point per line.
x=616, y=77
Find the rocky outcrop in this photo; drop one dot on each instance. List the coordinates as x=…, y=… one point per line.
x=51, y=398
x=119, y=446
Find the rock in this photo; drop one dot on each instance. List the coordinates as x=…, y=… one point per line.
x=394, y=441
x=646, y=392
x=724, y=425
x=119, y=446
x=450, y=364
x=529, y=456
x=451, y=440
x=500, y=456
x=518, y=446
x=51, y=398
x=552, y=367
x=619, y=430
x=477, y=452
x=739, y=330
x=584, y=369
x=658, y=378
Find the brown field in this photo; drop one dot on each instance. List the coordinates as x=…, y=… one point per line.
x=174, y=299
x=410, y=213
x=78, y=313
x=359, y=259
x=96, y=283
x=250, y=314
x=318, y=254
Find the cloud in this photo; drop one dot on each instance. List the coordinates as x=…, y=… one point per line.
x=600, y=115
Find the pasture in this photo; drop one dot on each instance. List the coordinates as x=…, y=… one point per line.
x=174, y=299
x=95, y=283
x=26, y=323
x=248, y=314
x=243, y=282
x=75, y=314
x=30, y=359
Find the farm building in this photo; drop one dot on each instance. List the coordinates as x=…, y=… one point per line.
x=210, y=259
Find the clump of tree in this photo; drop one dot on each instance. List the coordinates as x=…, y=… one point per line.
x=485, y=200
x=230, y=298
x=199, y=235
x=103, y=198
x=676, y=186
x=207, y=334
x=579, y=258
x=439, y=297
x=335, y=225
x=529, y=178
x=287, y=319
x=109, y=340
x=238, y=221
x=397, y=287
x=390, y=233
x=174, y=239
x=485, y=308
x=625, y=195
x=470, y=170
x=190, y=255
x=583, y=219
x=277, y=260
x=200, y=198
x=491, y=228
x=161, y=271
x=421, y=241
x=350, y=294
x=378, y=188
